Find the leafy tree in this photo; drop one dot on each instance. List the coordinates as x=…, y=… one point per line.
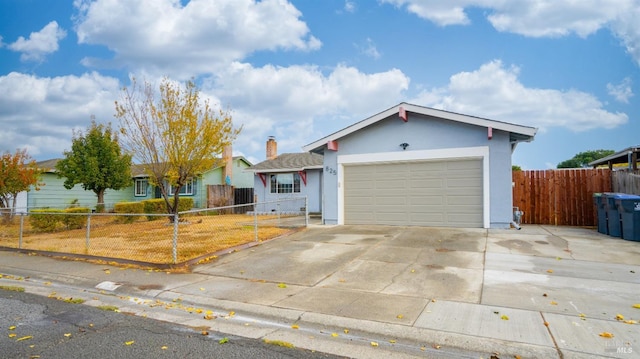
x=176, y=137
x=96, y=161
x=18, y=172
x=583, y=159
x=516, y=168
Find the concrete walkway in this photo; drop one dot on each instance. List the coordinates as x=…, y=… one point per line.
x=373, y=291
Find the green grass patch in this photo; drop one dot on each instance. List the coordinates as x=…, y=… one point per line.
x=108, y=308
x=72, y=300
x=12, y=288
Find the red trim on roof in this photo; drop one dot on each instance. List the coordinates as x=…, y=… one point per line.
x=403, y=114
x=263, y=177
x=303, y=175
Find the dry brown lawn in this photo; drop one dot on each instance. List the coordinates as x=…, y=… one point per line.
x=149, y=241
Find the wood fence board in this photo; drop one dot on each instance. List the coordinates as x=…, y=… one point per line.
x=560, y=197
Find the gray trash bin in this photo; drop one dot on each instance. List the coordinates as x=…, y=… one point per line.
x=599, y=201
x=629, y=208
x=613, y=216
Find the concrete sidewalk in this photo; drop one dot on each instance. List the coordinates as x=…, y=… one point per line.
x=358, y=291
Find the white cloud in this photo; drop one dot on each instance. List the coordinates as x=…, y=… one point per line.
x=196, y=38
x=621, y=92
x=349, y=6
x=40, y=113
x=295, y=103
x=540, y=18
x=495, y=92
x=369, y=49
x=39, y=44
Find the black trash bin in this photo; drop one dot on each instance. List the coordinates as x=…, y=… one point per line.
x=629, y=208
x=599, y=201
x=613, y=216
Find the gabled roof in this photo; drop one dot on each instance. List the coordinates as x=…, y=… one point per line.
x=137, y=170
x=48, y=165
x=289, y=162
x=517, y=133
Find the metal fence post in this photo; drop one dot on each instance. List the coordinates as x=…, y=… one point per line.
x=21, y=230
x=174, y=253
x=255, y=222
x=88, y=235
x=306, y=211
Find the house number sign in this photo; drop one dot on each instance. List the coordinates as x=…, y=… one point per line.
x=330, y=170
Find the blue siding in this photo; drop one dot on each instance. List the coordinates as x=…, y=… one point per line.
x=311, y=190
x=425, y=133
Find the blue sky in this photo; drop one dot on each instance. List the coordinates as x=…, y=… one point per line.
x=300, y=70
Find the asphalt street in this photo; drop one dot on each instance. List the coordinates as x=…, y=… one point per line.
x=35, y=326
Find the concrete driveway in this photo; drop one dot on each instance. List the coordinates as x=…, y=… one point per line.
x=542, y=292
x=555, y=288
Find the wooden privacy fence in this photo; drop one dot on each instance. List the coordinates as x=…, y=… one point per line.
x=223, y=195
x=626, y=182
x=559, y=197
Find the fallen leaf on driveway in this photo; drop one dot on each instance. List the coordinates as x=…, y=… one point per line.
x=374, y=344
x=129, y=342
x=282, y=285
x=504, y=317
x=549, y=270
x=334, y=334
x=295, y=326
x=553, y=302
x=637, y=306
x=24, y=338
x=619, y=317
x=606, y=335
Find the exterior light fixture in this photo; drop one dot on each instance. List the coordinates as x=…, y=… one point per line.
x=404, y=145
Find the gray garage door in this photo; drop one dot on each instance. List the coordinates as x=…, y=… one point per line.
x=425, y=193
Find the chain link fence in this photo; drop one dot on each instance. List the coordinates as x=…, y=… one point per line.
x=154, y=238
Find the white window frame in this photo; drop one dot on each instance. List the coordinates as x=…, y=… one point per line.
x=140, y=187
x=295, y=183
x=186, y=190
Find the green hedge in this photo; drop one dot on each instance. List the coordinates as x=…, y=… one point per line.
x=45, y=220
x=128, y=207
x=48, y=220
x=158, y=206
x=75, y=221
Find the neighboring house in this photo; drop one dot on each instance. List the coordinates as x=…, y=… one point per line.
x=413, y=165
x=53, y=194
x=287, y=175
x=232, y=173
x=627, y=158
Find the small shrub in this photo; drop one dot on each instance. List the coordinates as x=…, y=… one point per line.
x=158, y=206
x=154, y=206
x=75, y=221
x=45, y=220
x=128, y=207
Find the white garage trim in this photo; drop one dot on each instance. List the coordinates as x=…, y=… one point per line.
x=481, y=152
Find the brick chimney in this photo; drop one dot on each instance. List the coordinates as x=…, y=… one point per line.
x=272, y=148
x=227, y=157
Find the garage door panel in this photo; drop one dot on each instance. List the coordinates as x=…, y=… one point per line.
x=426, y=183
x=425, y=193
